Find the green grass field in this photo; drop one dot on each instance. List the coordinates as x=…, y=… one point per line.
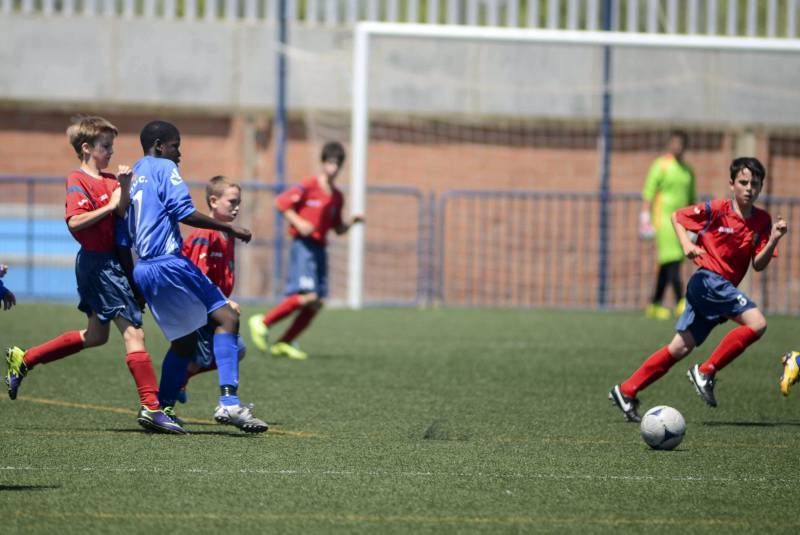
x=405, y=421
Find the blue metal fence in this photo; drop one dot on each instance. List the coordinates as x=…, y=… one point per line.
x=464, y=248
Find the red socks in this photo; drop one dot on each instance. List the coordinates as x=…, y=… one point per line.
x=59, y=347
x=286, y=307
x=654, y=367
x=141, y=367
x=732, y=345
x=299, y=324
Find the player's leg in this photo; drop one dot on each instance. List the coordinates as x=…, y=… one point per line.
x=140, y=365
x=19, y=362
x=624, y=395
x=752, y=326
x=720, y=300
x=297, y=283
x=655, y=309
x=676, y=283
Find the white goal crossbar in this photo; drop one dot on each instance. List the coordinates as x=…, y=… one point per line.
x=360, y=88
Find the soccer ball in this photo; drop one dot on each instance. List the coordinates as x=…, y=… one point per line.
x=662, y=427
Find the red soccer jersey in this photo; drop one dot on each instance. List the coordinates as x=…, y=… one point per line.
x=86, y=194
x=315, y=205
x=213, y=252
x=730, y=242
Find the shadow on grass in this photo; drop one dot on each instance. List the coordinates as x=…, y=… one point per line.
x=751, y=424
x=222, y=432
x=25, y=488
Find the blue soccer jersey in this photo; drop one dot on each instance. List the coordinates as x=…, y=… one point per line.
x=159, y=200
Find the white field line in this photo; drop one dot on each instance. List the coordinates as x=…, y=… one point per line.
x=743, y=479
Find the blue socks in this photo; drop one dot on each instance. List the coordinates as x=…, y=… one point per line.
x=226, y=353
x=174, y=374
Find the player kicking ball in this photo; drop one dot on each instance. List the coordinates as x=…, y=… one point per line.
x=181, y=298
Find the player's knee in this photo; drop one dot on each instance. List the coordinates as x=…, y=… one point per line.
x=134, y=336
x=759, y=327
x=317, y=305
x=95, y=338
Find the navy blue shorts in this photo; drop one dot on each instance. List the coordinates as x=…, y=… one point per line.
x=204, y=354
x=104, y=289
x=308, y=268
x=711, y=299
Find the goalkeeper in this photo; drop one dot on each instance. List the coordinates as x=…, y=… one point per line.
x=670, y=185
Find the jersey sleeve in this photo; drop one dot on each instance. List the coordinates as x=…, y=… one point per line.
x=290, y=198
x=3, y=290
x=174, y=192
x=78, y=199
x=653, y=181
x=696, y=217
x=195, y=248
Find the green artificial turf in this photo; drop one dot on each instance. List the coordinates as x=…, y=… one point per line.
x=405, y=421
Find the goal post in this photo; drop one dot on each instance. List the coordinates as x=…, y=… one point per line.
x=687, y=107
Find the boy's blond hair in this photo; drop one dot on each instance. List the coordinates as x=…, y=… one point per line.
x=86, y=129
x=217, y=186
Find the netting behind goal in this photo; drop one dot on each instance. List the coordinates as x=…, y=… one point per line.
x=497, y=143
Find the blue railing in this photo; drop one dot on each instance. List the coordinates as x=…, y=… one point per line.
x=464, y=248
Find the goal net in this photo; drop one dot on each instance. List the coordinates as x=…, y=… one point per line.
x=503, y=167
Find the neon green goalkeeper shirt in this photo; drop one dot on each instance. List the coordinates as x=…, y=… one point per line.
x=669, y=186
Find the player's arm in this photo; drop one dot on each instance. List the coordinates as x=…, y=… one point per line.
x=304, y=226
x=287, y=203
x=651, y=186
x=344, y=226
x=690, y=249
x=87, y=219
x=200, y=220
x=124, y=175
x=762, y=258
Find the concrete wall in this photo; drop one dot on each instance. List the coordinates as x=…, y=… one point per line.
x=230, y=66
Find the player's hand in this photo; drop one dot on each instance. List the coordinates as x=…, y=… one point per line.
x=3, y=270
x=124, y=175
x=357, y=218
x=9, y=300
x=693, y=251
x=241, y=233
x=779, y=229
x=646, y=231
x=115, y=196
x=304, y=227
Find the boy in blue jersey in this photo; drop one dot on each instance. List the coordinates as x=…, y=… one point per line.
x=181, y=298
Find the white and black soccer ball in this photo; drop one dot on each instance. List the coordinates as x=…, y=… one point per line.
x=662, y=427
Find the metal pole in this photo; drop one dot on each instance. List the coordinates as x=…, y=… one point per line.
x=280, y=147
x=605, y=152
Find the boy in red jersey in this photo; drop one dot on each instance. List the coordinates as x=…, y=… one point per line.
x=312, y=207
x=213, y=252
x=731, y=234
x=94, y=201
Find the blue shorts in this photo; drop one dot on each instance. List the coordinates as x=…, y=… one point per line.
x=308, y=268
x=204, y=355
x=104, y=289
x=711, y=299
x=179, y=295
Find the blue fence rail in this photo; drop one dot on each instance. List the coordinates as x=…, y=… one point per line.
x=463, y=248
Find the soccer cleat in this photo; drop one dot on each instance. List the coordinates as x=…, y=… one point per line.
x=657, y=312
x=259, y=333
x=169, y=410
x=241, y=417
x=159, y=422
x=791, y=371
x=703, y=384
x=284, y=349
x=16, y=370
x=627, y=405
